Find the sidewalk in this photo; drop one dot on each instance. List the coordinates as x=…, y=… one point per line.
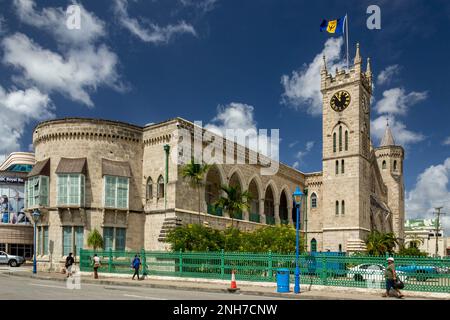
x=220, y=286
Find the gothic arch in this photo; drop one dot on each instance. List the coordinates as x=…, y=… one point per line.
x=259, y=185
x=276, y=194
x=236, y=174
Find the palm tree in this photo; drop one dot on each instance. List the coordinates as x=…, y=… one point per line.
x=379, y=243
x=95, y=240
x=195, y=172
x=234, y=202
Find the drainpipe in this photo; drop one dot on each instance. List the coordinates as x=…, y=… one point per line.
x=166, y=180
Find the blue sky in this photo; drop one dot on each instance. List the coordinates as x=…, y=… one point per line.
x=231, y=62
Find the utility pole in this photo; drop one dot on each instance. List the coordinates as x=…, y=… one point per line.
x=438, y=214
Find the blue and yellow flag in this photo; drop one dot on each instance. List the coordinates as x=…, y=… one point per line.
x=333, y=26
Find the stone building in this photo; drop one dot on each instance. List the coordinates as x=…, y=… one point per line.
x=421, y=233
x=125, y=180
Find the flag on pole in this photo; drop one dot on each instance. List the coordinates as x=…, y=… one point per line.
x=333, y=26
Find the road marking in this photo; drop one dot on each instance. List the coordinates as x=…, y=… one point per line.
x=46, y=285
x=142, y=297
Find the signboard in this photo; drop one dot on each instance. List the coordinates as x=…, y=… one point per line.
x=11, y=180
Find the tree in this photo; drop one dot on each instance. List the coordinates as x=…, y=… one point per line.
x=411, y=252
x=95, y=239
x=379, y=243
x=234, y=202
x=195, y=172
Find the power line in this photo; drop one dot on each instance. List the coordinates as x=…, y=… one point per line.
x=438, y=213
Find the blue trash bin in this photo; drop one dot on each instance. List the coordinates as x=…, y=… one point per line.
x=282, y=280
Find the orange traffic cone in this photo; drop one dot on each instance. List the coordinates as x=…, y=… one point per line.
x=233, y=286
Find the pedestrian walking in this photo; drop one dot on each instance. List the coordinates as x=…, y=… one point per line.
x=69, y=263
x=96, y=265
x=136, y=264
x=391, y=277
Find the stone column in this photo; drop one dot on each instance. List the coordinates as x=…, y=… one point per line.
x=291, y=221
x=246, y=215
x=262, y=216
x=277, y=213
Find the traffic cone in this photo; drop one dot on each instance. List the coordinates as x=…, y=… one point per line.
x=233, y=287
x=233, y=280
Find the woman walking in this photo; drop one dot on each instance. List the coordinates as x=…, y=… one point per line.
x=96, y=264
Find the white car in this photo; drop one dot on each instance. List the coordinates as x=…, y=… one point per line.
x=373, y=273
x=13, y=261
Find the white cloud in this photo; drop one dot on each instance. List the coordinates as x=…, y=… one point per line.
x=402, y=135
x=18, y=108
x=385, y=76
x=397, y=101
x=446, y=142
x=293, y=144
x=150, y=33
x=302, y=88
x=202, y=5
x=300, y=155
x=431, y=190
x=53, y=20
x=240, y=116
x=75, y=73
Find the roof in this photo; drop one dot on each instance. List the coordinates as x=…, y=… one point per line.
x=41, y=168
x=71, y=166
x=417, y=224
x=388, y=138
x=116, y=168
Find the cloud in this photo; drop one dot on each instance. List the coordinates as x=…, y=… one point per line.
x=446, y=141
x=300, y=155
x=385, y=76
x=18, y=108
x=293, y=144
x=53, y=20
x=76, y=73
x=302, y=88
x=202, y=5
x=151, y=33
x=431, y=190
x=402, y=135
x=240, y=116
x=397, y=101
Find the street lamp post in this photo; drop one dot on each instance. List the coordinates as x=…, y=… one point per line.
x=36, y=215
x=297, y=200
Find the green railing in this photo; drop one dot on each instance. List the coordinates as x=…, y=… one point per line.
x=282, y=221
x=215, y=211
x=238, y=216
x=331, y=269
x=270, y=220
x=254, y=217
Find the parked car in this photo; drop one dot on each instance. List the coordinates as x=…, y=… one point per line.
x=421, y=273
x=371, y=273
x=13, y=261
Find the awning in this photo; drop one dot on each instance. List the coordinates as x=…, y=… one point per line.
x=41, y=168
x=116, y=168
x=67, y=166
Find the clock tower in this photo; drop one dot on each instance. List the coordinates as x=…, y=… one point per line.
x=346, y=155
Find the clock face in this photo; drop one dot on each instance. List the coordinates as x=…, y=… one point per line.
x=340, y=101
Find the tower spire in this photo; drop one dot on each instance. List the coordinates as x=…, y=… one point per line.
x=369, y=71
x=324, y=65
x=358, y=59
x=388, y=138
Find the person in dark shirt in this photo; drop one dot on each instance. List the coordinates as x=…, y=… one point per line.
x=69, y=263
x=136, y=265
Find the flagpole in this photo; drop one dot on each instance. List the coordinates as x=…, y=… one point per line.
x=346, y=27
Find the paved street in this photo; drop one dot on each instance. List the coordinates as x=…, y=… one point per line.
x=17, y=288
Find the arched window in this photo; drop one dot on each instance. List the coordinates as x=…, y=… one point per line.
x=149, y=189
x=383, y=166
x=334, y=142
x=337, y=207
x=342, y=166
x=340, y=247
x=343, y=207
x=313, y=200
x=395, y=165
x=313, y=245
x=346, y=140
x=161, y=187
x=337, y=167
x=340, y=138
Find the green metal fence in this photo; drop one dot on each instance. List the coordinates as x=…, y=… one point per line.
x=418, y=274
